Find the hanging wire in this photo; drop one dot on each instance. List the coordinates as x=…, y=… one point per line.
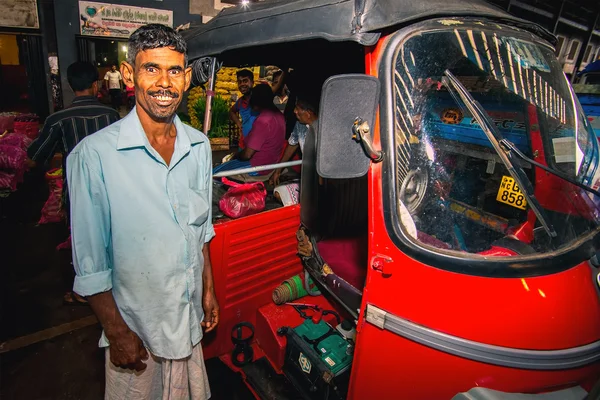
x=201, y=72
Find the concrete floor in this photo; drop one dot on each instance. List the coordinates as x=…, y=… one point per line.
x=49, y=350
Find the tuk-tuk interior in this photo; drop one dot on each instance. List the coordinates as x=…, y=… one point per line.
x=340, y=206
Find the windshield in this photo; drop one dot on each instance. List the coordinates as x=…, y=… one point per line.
x=456, y=189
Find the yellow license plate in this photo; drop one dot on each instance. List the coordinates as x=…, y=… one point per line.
x=510, y=193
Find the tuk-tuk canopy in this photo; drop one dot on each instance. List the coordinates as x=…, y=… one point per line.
x=361, y=21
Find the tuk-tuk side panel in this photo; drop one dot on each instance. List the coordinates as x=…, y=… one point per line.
x=250, y=257
x=530, y=316
x=394, y=368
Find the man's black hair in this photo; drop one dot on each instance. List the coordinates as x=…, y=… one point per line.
x=154, y=36
x=262, y=97
x=81, y=75
x=245, y=73
x=307, y=102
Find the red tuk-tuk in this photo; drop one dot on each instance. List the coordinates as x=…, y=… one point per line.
x=449, y=193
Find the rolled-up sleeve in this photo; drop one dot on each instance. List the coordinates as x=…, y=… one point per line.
x=295, y=135
x=90, y=223
x=210, y=230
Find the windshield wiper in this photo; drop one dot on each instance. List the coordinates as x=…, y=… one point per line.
x=495, y=138
x=510, y=146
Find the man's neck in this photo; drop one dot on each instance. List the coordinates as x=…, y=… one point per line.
x=87, y=92
x=157, y=131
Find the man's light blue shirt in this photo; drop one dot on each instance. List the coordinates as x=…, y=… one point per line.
x=138, y=228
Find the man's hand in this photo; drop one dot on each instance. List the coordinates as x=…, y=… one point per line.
x=274, y=180
x=127, y=350
x=304, y=245
x=211, y=310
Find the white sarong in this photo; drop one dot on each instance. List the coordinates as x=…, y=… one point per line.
x=161, y=380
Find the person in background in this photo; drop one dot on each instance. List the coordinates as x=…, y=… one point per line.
x=241, y=113
x=265, y=140
x=64, y=129
x=114, y=84
x=241, y=108
x=139, y=187
x=130, y=90
x=306, y=114
x=281, y=95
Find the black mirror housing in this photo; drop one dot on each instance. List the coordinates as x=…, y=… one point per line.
x=344, y=98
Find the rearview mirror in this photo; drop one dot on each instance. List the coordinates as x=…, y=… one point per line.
x=344, y=98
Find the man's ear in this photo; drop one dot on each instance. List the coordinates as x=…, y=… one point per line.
x=128, y=74
x=188, y=78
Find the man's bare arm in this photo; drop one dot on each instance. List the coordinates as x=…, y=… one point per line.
x=126, y=348
x=233, y=115
x=209, y=299
x=244, y=155
x=276, y=88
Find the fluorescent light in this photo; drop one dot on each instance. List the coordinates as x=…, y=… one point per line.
x=124, y=48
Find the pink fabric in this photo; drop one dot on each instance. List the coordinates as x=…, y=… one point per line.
x=267, y=137
x=347, y=258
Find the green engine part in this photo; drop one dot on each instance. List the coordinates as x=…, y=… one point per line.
x=333, y=350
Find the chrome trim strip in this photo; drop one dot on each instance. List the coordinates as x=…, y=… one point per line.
x=546, y=360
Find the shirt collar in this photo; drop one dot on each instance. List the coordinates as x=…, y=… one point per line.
x=131, y=134
x=80, y=99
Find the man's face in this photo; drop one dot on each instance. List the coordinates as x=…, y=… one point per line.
x=302, y=115
x=244, y=84
x=113, y=68
x=160, y=79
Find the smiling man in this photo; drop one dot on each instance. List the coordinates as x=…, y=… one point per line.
x=141, y=225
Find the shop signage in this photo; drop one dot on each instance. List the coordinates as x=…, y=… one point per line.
x=19, y=14
x=117, y=20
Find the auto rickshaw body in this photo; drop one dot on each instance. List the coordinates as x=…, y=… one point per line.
x=449, y=193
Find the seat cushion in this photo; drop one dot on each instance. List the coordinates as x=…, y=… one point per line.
x=347, y=257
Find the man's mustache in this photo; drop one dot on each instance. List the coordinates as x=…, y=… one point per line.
x=163, y=93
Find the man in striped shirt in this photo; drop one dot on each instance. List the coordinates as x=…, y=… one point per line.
x=64, y=129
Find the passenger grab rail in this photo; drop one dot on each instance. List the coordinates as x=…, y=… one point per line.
x=256, y=169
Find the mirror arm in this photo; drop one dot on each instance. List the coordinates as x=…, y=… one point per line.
x=362, y=133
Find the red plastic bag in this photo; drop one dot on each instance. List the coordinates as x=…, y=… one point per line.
x=243, y=199
x=52, y=210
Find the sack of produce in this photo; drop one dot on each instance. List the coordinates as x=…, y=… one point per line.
x=27, y=124
x=243, y=199
x=52, y=210
x=12, y=158
x=16, y=139
x=8, y=181
x=7, y=121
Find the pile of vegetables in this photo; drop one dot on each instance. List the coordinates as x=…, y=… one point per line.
x=220, y=113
